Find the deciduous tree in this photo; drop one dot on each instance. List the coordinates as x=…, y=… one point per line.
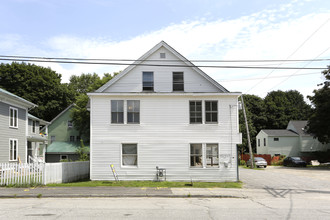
x=319, y=122
x=36, y=84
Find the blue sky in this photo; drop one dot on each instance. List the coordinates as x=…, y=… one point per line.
x=207, y=29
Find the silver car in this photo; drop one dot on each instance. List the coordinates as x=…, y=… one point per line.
x=258, y=162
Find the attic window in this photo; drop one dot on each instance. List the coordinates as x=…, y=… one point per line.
x=148, y=81
x=163, y=55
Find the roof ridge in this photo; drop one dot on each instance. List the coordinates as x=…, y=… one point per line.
x=147, y=54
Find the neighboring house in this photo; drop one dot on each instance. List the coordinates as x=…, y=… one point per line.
x=19, y=131
x=63, y=138
x=173, y=116
x=35, y=139
x=292, y=141
x=58, y=151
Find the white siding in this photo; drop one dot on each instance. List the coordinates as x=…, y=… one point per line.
x=262, y=149
x=193, y=81
x=163, y=138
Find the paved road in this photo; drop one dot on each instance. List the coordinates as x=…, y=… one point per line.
x=289, y=207
x=286, y=178
x=273, y=193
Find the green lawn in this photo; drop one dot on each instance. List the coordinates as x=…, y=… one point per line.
x=150, y=184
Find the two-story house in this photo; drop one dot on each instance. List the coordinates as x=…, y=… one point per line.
x=292, y=141
x=162, y=111
x=63, y=138
x=19, y=130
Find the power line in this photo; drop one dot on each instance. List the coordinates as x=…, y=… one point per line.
x=271, y=77
x=300, y=46
x=161, y=65
x=295, y=73
x=162, y=60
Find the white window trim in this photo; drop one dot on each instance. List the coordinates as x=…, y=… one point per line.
x=211, y=111
x=125, y=112
x=124, y=106
x=202, y=106
x=173, y=81
x=121, y=156
x=153, y=81
x=14, y=109
x=12, y=153
x=204, y=165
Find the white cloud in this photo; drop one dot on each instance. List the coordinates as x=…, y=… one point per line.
x=269, y=34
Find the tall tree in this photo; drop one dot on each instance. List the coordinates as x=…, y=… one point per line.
x=81, y=85
x=319, y=122
x=272, y=112
x=281, y=107
x=36, y=84
x=256, y=116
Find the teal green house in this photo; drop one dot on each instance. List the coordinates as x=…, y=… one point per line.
x=63, y=138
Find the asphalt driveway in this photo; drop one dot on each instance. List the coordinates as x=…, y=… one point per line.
x=278, y=177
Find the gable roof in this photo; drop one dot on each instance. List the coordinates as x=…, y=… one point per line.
x=62, y=113
x=16, y=98
x=279, y=133
x=298, y=127
x=151, y=51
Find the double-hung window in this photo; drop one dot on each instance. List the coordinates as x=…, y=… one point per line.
x=117, y=111
x=211, y=111
x=13, y=117
x=133, y=111
x=212, y=155
x=204, y=155
x=195, y=109
x=196, y=155
x=178, y=83
x=129, y=155
x=13, y=151
x=148, y=81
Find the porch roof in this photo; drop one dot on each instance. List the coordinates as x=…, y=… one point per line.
x=36, y=138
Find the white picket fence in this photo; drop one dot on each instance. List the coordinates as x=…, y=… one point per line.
x=21, y=173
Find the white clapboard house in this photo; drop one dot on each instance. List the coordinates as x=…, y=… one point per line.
x=162, y=111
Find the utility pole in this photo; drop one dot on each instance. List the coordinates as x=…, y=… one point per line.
x=247, y=133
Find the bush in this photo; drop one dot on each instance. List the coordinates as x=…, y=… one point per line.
x=242, y=163
x=278, y=160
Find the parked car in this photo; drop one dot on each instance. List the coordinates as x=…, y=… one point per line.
x=294, y=162
x=258, y=162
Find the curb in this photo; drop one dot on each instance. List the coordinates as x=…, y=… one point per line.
x=121, y=196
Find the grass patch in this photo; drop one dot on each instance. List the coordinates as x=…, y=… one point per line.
x=164, y=184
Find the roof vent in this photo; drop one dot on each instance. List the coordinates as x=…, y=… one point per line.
x=163, y=55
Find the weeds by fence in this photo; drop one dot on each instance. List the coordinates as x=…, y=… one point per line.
x=21, y=174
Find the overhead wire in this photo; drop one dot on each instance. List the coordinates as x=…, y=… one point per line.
x=162, y=60
x=300, y=46
x=158, y=65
